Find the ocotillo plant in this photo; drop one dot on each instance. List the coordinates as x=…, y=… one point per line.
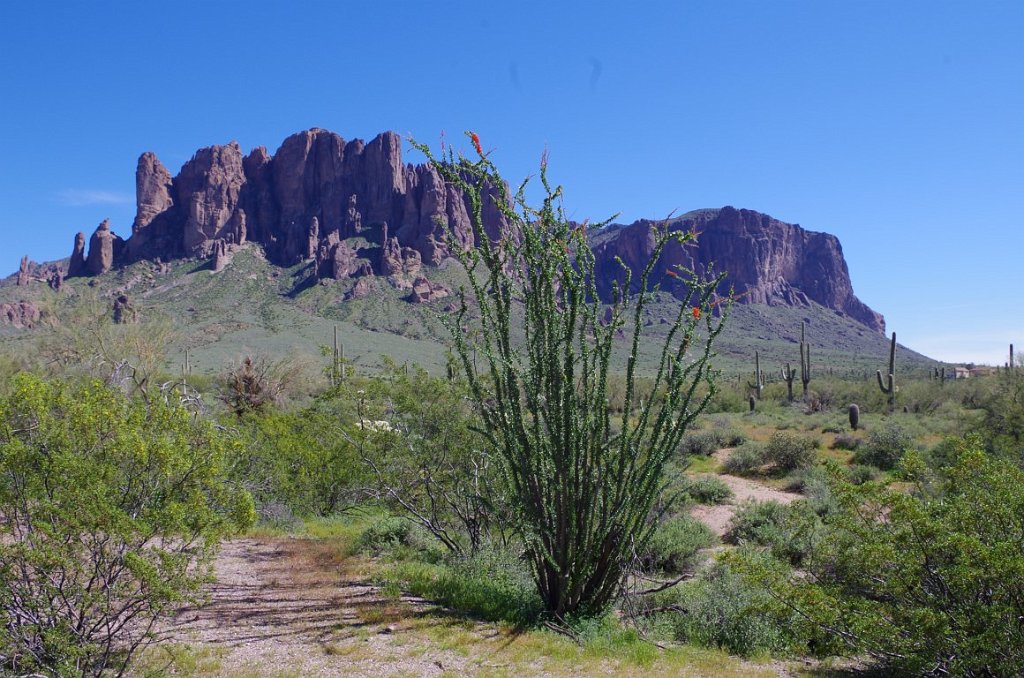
x=582, y=490
x=805, y=361
x=788, y=376
x=890, y=388
x=758, y=384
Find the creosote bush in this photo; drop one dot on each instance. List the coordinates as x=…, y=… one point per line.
x=746, y=458
x=884, y=447
x=582, y=488
x=789, y=451
x=675, y=543
x=707, y=490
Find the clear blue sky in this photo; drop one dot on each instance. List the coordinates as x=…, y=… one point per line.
x=896, y=125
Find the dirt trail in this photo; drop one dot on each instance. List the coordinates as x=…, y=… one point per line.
x=284, y=607
x=744, y=489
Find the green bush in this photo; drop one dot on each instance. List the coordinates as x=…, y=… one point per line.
x=746, y=458
x=675, y=543
x=384, y=535
x=859, y=474
x=700, y=443
x=493, y=584
x=789, y=451
x=757, y=522
x=885, y=447
x=111, y=510
x=790, y=531
x=724, y=610
x=301, y=461
x=707, y=490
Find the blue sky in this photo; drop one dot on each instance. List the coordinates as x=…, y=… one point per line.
x=896, y=125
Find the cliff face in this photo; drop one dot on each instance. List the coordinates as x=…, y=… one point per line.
x=768, y=261
x=317, y=191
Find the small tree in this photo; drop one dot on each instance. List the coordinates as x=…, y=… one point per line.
x=582, y=486
x=110, y=510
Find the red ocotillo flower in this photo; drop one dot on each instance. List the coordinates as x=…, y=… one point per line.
x=696, y=312
x=672, y=274
x=476, y=142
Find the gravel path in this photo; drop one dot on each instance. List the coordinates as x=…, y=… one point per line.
x=284, y=607
x=744, y=489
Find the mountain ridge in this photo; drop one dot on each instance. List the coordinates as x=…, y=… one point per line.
x=356, y=209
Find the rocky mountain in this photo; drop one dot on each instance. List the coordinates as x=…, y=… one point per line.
x=357, y=209
x=768, y=261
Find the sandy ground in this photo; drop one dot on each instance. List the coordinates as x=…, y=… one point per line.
x=744, y=489
x=284, y=607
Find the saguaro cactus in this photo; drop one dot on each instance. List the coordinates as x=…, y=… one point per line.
x=789, y=375
x=805, y=361
x=337, y=360
x=854, y=416
x=758, y=384
x=889, y=388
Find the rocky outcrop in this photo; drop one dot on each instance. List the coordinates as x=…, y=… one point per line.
x=122, y=311
x=208, y=190
x=76, y=265
x=424, y=291
x=23, y=273
x=767, y=261
x=104, y=248
x=153, y=190
x=355, y=209
x=20, y=314
x=220, y=256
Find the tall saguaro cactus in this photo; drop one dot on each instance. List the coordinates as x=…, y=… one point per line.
x=789, y=376
x=758, y=384
x=889, y=388
x=805, y=361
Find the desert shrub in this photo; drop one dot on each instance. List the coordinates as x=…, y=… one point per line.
x=884, y=447
x=756, y=522
x=725, y=610
x=675, y=543
x=788, y=451
x=858, y=474
x=746, y=458
x=846, y=441
x=707, y=490
x=110, y=512
x=926, y=582
x=700, y=443
x=790, y=531
x=384, y=535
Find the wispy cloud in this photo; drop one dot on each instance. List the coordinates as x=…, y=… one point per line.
x=77, y=197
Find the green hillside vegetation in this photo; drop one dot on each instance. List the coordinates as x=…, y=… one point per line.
x=254, y=307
